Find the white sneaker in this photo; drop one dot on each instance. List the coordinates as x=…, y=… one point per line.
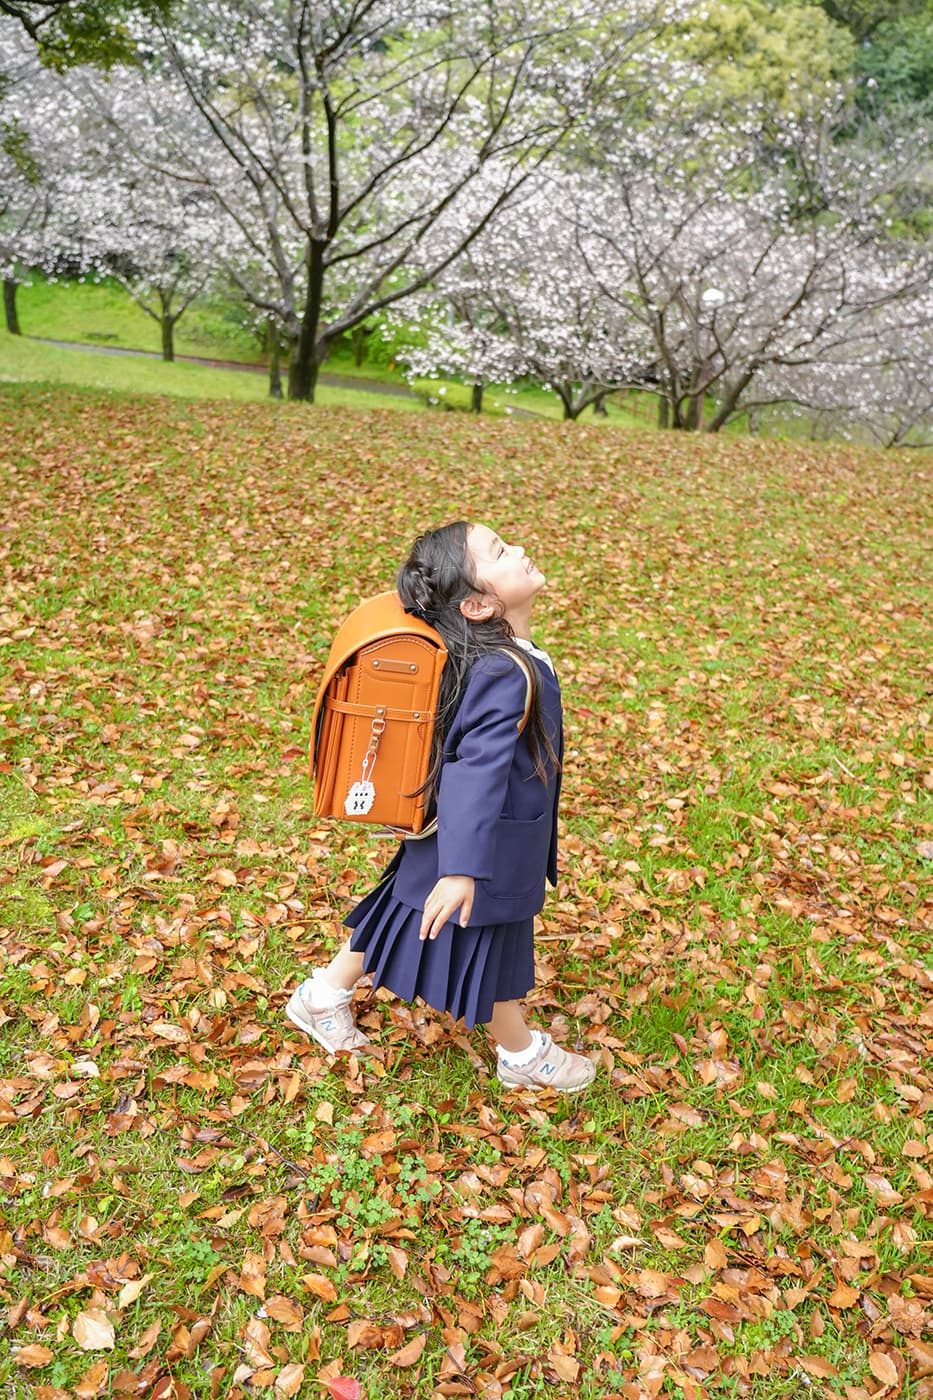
x=551, y=1068
x=333, y=1027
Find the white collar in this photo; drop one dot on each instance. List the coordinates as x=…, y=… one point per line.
x=535, y=651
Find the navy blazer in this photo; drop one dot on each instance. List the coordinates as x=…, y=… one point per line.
x=497, y=819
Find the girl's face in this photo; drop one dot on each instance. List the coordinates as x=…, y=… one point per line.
x=503, y=570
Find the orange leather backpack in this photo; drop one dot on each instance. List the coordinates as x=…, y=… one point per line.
x=374, y=718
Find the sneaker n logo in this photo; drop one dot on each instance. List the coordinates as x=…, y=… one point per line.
x=548, y=1068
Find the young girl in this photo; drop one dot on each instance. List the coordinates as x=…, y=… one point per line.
x=452, y=919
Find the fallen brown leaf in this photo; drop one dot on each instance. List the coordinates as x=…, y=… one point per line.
x=411, y=1353
x=33, y=1355
x=883, y=1368
x=93, y=1330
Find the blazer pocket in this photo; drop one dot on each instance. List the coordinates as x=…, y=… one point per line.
x=521, y=857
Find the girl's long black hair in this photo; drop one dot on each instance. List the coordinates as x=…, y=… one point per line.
x=432, y=583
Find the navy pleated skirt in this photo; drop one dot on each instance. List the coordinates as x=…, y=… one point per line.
x=463, y=971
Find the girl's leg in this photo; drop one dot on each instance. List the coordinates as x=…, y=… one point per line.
x=346, y=969
x=508, y=1027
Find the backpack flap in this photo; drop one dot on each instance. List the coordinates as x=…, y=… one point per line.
x=374, y=716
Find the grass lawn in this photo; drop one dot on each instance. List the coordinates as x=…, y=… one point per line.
x=193, y=1201
x=103, y=313
x=30, y=361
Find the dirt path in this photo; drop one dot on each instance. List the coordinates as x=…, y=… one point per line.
x=338, y=381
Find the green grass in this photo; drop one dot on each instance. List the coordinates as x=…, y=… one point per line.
x=740, y=932
x=632, y=410
x=103, y=313
x=26, y=361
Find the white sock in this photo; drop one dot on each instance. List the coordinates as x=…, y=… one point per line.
x=518, y=1058
x=322, y=993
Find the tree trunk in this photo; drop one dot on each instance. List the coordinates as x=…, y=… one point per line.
x=358, y=338
x=680, y=411
x=275, y=361
x=664, y=411
x=167, y=323
x=275, y=370
x=476, y=396
x=302, y=374
x=730, y=401
x=309, y=353
x=599, y=407
x=693, y=419
x=9, y=305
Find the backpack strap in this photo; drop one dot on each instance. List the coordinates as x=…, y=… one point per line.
x=529, y=686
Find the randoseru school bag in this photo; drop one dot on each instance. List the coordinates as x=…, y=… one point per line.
x=374, y=718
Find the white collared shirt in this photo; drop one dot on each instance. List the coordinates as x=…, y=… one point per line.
x=535, y=651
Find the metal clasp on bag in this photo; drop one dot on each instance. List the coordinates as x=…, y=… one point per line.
x=362, y=795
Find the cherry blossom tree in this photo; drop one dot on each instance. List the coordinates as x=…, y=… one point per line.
x=69, y=194
x=903, y=397
x=878, y=384
x=22, y=205
x=38, y=131
x=758, y=264
x=522, y=303
x=338, y=137
x=157, y=238
x=746, y=278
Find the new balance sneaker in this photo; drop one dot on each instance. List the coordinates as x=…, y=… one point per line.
x=333, y=1027
x=551, y=1068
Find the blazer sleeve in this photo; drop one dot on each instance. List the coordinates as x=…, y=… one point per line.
x=474, y=779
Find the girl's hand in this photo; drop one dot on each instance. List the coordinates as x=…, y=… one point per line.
x=452, y=892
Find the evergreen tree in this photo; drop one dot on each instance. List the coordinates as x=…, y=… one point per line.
x=70, y=32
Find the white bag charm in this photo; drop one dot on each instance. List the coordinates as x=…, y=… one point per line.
x=362, y=795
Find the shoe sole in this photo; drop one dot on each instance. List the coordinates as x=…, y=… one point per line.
x=546, y=1088
x=296, y=1017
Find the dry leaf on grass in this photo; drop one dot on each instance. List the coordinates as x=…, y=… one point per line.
x=290, y=1379
x=285, y=1311
x=253, y=1275
x=883, y=1368
x=33, y=1355
x=131, y=1291
x=817, y=1366
x=321, y=1287
x=93, y=1330
x=344, y=1388
x=714, y=1255
x=93, y=1382
x=411, y=1353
